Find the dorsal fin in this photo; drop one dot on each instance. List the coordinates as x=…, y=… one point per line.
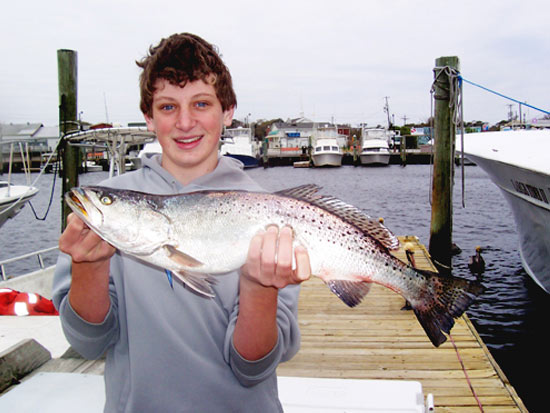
x=306, y=192
x=370, y=226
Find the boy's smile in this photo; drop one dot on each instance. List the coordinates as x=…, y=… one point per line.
x=188, y=122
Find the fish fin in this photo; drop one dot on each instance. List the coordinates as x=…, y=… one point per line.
x=369, y=226
x=198, y=283
x=350, y=292
x=305, y=192
x=353, y=215
x=181, y=258
x=449, y=298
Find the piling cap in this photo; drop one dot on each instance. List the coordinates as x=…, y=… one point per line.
x=408, y=246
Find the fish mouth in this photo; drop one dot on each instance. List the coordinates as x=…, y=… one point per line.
x=80, y=203
x=73, y=200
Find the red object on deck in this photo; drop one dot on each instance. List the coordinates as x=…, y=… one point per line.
x=14, y=302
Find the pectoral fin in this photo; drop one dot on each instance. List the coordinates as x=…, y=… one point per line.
x=350, y=292
x=199, y=283
x=181, y=258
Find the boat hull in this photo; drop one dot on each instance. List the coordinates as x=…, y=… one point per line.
x=380, y=159
x=528, y=194
x=12, y=205
x=248, y=161
x=327, y=159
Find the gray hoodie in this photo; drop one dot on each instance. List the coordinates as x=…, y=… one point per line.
x=168, y=349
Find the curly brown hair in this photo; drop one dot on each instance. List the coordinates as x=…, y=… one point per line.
x=183, y=58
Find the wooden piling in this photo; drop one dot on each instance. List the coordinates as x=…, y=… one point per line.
x=67, y=83
x=265, y=147
x=442, y=185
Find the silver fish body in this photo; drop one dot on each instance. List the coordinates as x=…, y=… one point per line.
x=203, y=234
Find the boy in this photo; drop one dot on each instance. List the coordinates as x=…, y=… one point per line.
x=168, y=349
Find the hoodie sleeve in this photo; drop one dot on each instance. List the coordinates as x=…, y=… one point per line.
x=91, y=340
x=250, y=373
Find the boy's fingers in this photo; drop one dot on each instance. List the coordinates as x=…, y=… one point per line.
x=269, y=251
x=284, y=253
x=303, y=267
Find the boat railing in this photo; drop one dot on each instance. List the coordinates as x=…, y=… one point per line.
x=38, y=254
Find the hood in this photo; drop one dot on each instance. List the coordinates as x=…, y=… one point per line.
x=228, y=174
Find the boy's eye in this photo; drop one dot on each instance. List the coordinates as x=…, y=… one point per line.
x=167, y=107
x=201, y=104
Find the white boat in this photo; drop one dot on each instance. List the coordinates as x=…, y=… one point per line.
x=375, y=149
x=13, y=198
x=91, y=166
x=518, y=162
x=238, y=143
x=327, y=152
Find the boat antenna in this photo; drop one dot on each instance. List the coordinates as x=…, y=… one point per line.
x=387, y=110
x=106, y=111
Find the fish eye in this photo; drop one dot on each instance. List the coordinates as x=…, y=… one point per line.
x=106, y=200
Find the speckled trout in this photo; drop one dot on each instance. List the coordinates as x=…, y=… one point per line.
x=200, y=235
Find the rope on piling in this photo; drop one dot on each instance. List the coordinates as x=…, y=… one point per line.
x=455, y=97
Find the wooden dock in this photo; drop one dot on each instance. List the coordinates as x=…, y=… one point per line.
x=377, y=340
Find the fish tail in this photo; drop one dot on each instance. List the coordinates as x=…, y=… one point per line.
x=445, y=298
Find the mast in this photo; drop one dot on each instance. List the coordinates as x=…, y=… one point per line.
x=387, y=110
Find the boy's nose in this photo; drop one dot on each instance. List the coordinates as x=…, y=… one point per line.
x=185, y=120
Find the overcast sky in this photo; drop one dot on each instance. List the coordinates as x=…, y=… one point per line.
x=327, y=60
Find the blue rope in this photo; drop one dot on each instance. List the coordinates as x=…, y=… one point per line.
x=503, y=96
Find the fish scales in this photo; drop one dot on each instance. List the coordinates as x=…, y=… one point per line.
x=200, y=235
x=335, y=246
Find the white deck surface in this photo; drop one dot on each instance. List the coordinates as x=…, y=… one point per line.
x=320, y=395
x=56, y=393
x=61, y=392
x=44, y=329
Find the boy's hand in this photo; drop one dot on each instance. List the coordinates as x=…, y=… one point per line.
x=268, y=268
x=269, y=261
x=89, y=292
x=83, y=244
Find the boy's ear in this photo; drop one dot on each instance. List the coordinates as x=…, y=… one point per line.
x=150, y=123
x=228, y=116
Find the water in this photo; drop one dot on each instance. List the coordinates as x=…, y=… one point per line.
x=510, y=315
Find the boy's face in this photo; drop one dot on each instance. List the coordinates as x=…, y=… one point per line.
x=188, y=122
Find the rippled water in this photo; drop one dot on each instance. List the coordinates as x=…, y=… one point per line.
x=511, y=314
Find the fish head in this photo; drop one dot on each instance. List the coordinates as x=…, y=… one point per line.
x=128, y=220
